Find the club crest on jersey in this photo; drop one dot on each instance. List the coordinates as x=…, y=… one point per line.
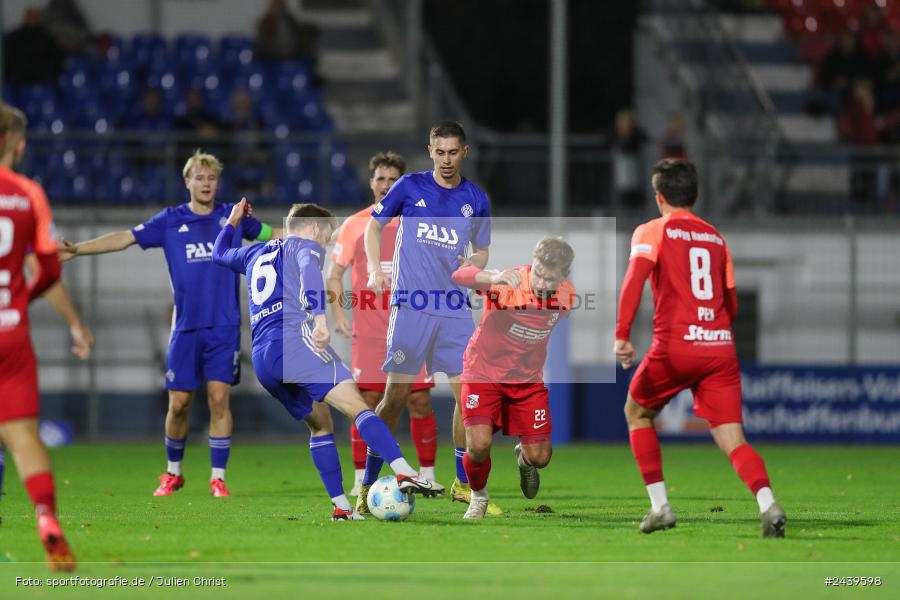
x=199, y=251
x=472, y=401
x=399, y=357
x=467, y=210
x=378, y=208
x=554, y=317
x=170, y=375
x=441, y=235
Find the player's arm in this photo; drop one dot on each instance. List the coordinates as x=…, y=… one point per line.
x=313, y=298
x=48, y=268
x=223, y=252
x=378, y=280
x=477, y=278
x=60, y=301
x=111, y=242
x=335, y=287
x=644, y=249
x=731, y=299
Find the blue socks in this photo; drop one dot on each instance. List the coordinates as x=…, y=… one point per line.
x=325, y=457
x=382, y=445
x=175, y=454
x=219, y=450
x=460, y=470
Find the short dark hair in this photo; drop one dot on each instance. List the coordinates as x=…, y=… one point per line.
x=676, y=180
x=386, y=159
x=301, y=214
x=448, y=129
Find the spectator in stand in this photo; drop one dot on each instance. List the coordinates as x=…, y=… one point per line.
x=67, y=23
x=246, y=153
x=872, y=30
x=195, y=117
x=198, y=121
x=888, y=72
x=30, y=52
x=844, y=63
x=281, y=36
x=626, y=143
x=150, y=116
x=672, y=145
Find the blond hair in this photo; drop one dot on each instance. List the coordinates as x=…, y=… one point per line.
x=202, y=160
x=555, y=253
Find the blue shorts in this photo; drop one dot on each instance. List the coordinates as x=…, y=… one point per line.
x=318, y=378
x=207, y=354
x=416, y=337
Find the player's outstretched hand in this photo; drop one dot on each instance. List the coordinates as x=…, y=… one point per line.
x=625, y=353
x=239, y=211
x=67, y=251
x=82, y=340
x=320, y=337
x=462, y=261
x=507, y=277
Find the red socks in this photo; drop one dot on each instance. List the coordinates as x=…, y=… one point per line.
x=645, y=447
x=477, y=473
x=42, y=492
x=358, y=448
x=750, y=467
x=424, y=435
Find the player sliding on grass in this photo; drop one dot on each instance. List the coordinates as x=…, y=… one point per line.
x=206, y=327
x=695, y=303
x=370, y=322
x=291, y=355
x=502, y=380
x=25, y=225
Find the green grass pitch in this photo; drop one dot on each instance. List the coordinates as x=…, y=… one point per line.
x=273, y=539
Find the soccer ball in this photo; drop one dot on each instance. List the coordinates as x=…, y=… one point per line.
x=387, y=502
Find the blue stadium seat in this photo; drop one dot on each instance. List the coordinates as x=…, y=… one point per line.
x=148, y=49
x=192, y=49
x=235, y=50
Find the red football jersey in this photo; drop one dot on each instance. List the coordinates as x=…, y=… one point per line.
x=371, y=312
x=510, y=343
x=692, y=270
x=25, y=225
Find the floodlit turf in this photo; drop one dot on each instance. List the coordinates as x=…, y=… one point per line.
x=273, y=537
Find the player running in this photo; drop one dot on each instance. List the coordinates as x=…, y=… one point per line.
x=25, y=224
x=441, y=213
x=502, y=381
x=370, y=322
x=695, y=303
x=291, y=354
x=206, y=327
x=56, y=295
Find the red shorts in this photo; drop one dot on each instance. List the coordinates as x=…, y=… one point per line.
x=366, y=360
x=521, y=409
x=18, y=380
x=715, y=382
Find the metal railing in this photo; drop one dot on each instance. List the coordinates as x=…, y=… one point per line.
x=746, y=156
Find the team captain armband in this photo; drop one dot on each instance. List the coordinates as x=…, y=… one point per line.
x=265, y=234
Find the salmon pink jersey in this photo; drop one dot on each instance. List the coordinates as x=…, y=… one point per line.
x=692, y=278
x=370, y=311
x=510, y=344
x=25, y=226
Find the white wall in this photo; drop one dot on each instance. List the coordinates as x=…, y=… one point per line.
x=126, y=17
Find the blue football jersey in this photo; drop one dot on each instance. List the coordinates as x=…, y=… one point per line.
x=284, y=283
x=437, y=225
x=206, y=294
